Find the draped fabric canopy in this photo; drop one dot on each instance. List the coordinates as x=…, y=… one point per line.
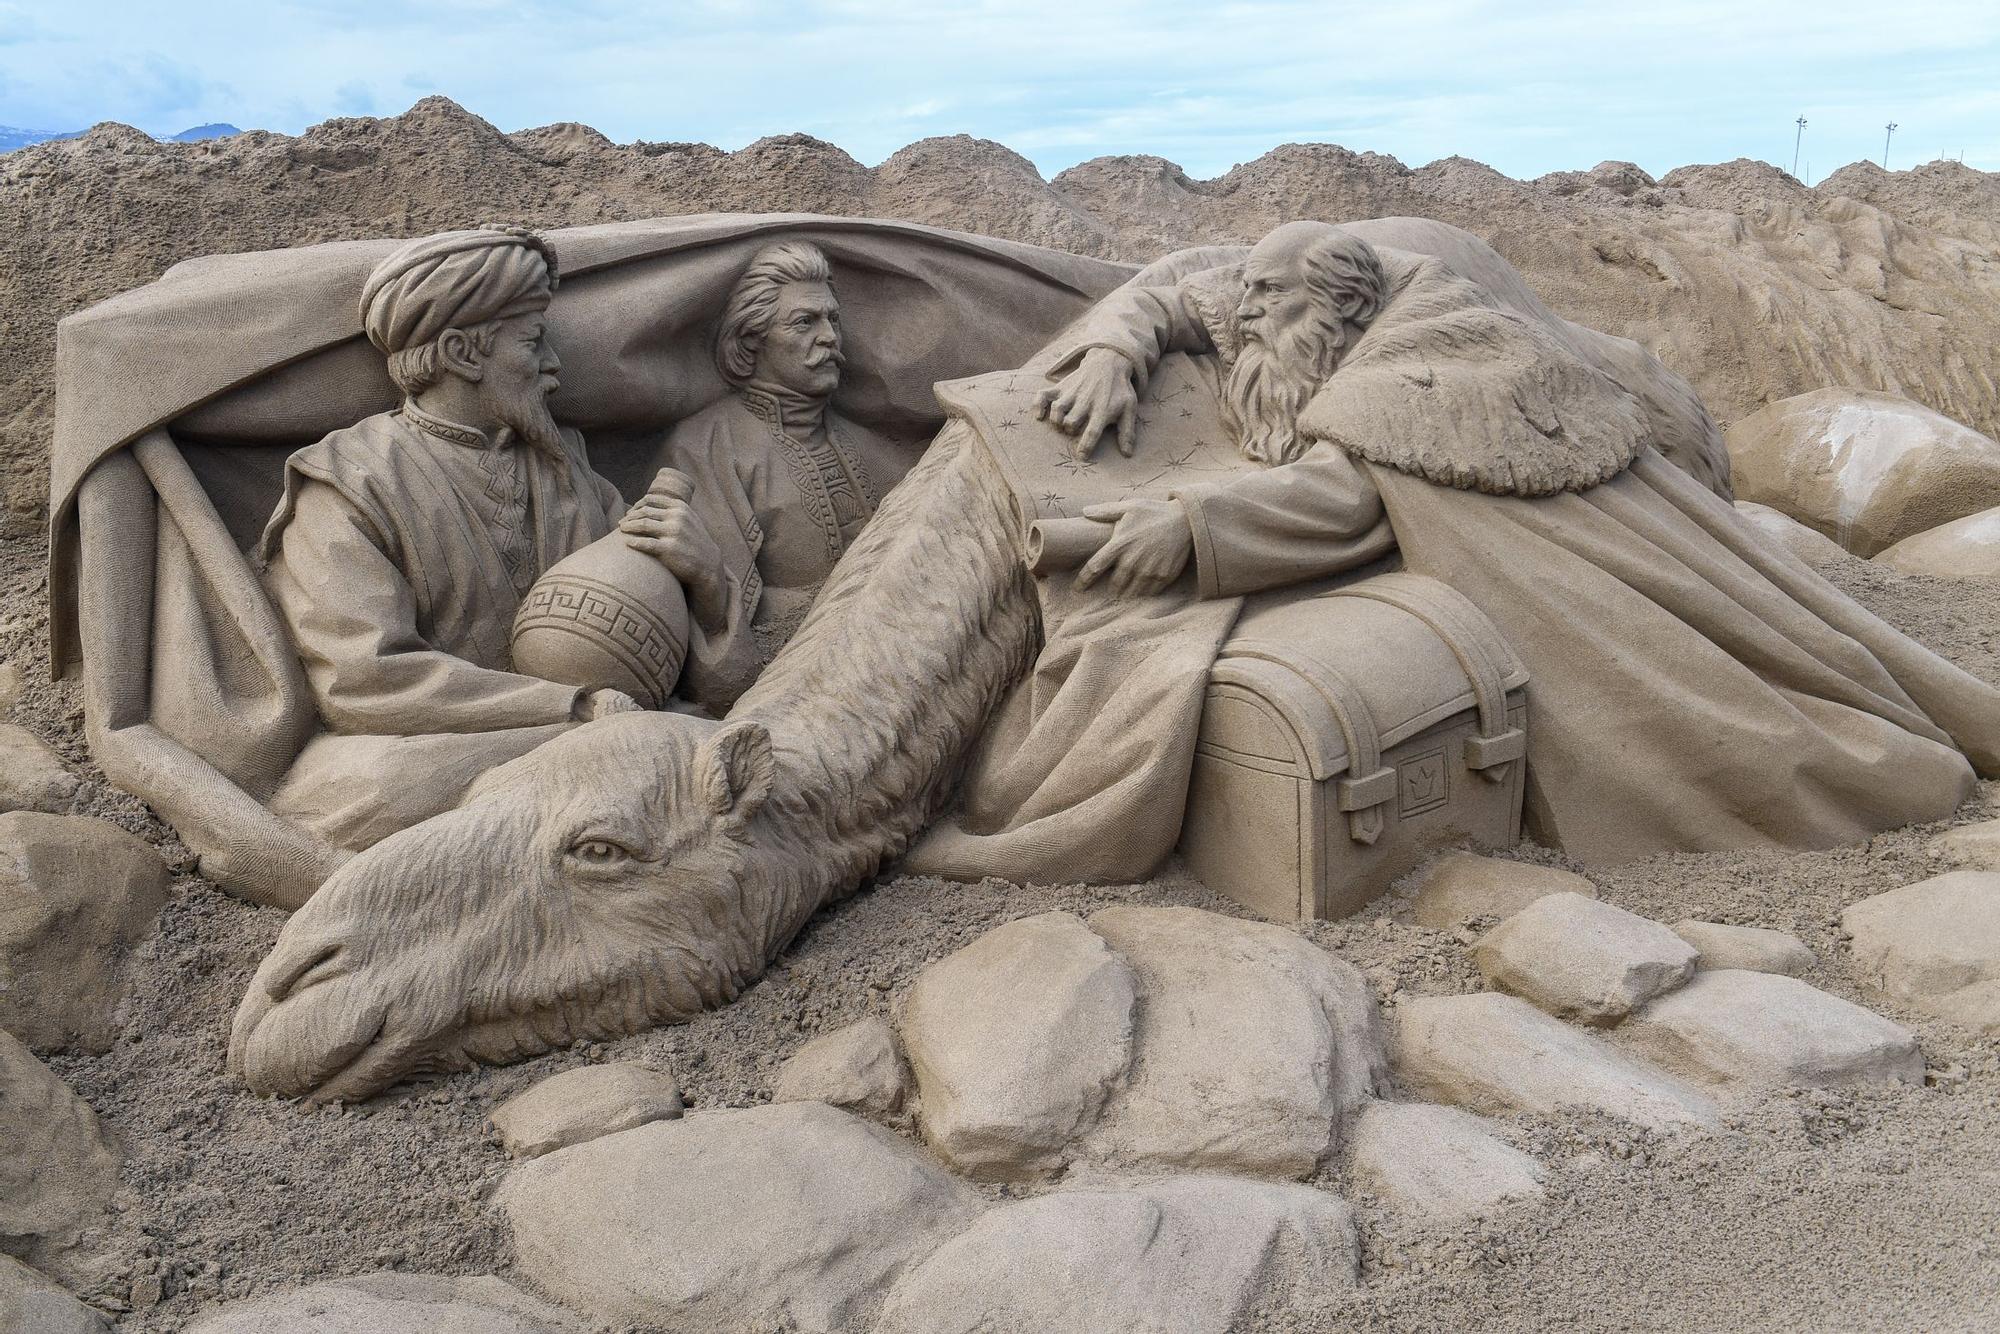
x=266, y=349
x=178, y=403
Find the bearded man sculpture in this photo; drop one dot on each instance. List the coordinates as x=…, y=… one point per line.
x=784, y=481
x=1691, y=688
x=404, y=544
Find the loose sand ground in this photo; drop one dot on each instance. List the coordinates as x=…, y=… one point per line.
x=1855, y=1209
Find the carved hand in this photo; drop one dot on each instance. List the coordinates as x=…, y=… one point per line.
x=1091, y=399
x=1148, y=549
x=603, y=703
x=665, y=524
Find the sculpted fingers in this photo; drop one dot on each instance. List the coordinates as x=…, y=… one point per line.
x=1094, y=427
x=1095, y=568
x=1128, y=430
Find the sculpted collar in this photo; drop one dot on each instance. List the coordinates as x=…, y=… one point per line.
x=790, y=411
x=469, y=436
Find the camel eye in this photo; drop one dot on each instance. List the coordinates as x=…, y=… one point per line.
x=599, y=852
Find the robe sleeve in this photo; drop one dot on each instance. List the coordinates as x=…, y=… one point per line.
x=352, y=614
x=722, y=658
x=1141, y=323
x=1314, y=516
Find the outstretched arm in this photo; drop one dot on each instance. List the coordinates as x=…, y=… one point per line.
x=1315, y=516
x=1115, y=350
x=1284, y=525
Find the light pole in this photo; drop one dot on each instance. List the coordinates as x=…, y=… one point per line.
x=1796, y=141
x=1885, y=144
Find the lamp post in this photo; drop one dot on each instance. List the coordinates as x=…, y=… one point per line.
x=1796, y=141
x=1885, y=144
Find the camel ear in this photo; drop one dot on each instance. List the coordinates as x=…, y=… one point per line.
x=736, y=770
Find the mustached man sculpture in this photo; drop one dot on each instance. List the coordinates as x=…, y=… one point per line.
x=1697, y=688
x=404, y=545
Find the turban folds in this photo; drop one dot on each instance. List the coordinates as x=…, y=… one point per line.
x=455, y=280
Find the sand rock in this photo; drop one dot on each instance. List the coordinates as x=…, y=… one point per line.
x=1016, y=1041
x=1814, y=548
x=1976, y=1007
x=57, y=1169
x=1494, y=1053
x=10, y=689
x=584, y=1104
x=1967, y=548
x=1439, y=1160
x=1465, y=885
x=394, y=1304
x=794, y=1216
x=1253, y=1045
x=857, y=1068
x=1935, y=943
x=1584, y=960
x=1191, y=1255
x=32, y=777
x=77, y=895
x=1974, y=846
x=1867, y=469
x=1734, y=1026
x=31, y=1303
x=1753, y=947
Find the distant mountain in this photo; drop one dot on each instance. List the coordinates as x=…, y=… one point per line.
x=12, y=138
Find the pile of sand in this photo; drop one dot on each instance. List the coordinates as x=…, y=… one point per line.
x=1869, y=1208
x=1738, y=277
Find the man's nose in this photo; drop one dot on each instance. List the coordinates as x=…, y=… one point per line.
x=551, y=363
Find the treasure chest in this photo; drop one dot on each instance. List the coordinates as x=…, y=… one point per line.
x=1346, y=736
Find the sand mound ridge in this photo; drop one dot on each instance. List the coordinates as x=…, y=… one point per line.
x=1737, y=276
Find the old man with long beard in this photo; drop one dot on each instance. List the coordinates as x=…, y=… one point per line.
x=1693, y=688
x=403, y=545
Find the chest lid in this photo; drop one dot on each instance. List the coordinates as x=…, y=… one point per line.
x=1331, y=681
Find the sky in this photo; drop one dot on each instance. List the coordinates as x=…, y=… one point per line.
x=1525, y=87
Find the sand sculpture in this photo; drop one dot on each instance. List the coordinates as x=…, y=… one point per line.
x=1289, y=419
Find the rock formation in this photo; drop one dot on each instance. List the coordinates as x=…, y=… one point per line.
x=1734, y=274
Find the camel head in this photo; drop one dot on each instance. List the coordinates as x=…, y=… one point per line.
x=596, y=886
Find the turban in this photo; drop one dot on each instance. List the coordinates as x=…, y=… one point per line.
x=455, y=280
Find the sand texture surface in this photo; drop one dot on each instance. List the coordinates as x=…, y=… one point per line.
x=1749, y=284
x=1871, y=1208
x=1875, y=1208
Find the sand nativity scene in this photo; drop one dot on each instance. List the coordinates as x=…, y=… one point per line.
x=555, y=623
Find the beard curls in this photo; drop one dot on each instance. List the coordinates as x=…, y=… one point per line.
x=1274, y=377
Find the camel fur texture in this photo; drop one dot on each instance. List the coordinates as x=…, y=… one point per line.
x=644, y=868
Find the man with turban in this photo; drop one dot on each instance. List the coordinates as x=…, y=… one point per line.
x=403, y=544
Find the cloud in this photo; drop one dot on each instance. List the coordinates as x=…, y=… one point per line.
x=1526, y=87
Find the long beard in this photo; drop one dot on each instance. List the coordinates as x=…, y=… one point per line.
x=1271, y=383
x=527, y=415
